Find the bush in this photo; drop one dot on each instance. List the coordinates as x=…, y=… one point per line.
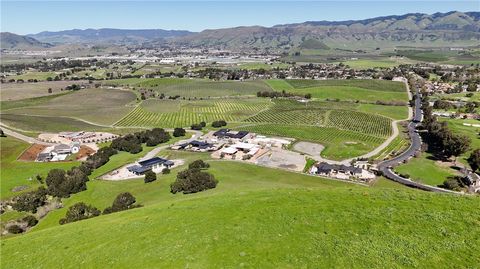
x=220, y=123
x=203, y=124
x=123, y=201
x=79, y=211
x=30, y=201
x=177, y=132
x=14, y=229
x=150, y=176
x=198, y=164
x=166, y=171
x=30, y=220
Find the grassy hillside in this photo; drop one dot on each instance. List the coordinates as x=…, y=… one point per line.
x=341, y=226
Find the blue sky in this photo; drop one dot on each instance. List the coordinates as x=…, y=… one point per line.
x=25, y=17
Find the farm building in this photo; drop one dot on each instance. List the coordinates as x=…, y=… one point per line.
x=340, y=171
x=227, y=133
x=58, y=152
x=155, y=164
x=246, y=148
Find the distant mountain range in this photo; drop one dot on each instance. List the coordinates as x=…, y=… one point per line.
x=409, y=29
x=439, y=29
x=107, y=36
x=13, y=41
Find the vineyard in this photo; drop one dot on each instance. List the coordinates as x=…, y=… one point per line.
x=370, y=84
x=317, y=114
x=191, y=88
x=185, y=113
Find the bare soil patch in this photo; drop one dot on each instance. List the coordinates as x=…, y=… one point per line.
x=32, y=152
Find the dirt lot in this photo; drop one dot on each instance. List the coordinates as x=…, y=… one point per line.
x=84, y=152
x=32, y=152
x=281, y=158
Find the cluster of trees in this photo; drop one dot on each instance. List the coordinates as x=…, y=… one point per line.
x=81, y=211
x=198, y=126
x=30, y=201
x=474, y=160
x=219, y=123
x=456, y=183
x=442, y=104
x=440, y=139
x=61, y=183
x=275, y=94
x=133, y=142
x=150, y=176
x=194, y=179
x=73, y=87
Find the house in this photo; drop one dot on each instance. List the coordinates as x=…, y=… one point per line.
x=227, y=133
x=340, y=171
x=58, y=152
x=155, y=164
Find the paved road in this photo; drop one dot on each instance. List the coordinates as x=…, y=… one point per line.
x=416, y=143
x=20, y=136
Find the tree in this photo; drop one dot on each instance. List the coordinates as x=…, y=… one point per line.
x=198, y=164
x=166, y=171
x=220, y=123
x=150, y=176
x=79, y=211
x=177, y=132
x=456, y=145
x=123, y=201
x=474, y=160
x=197, y=127
x=192, y=181
x=2, y=134
x=203, y=124
x=49, y=90
x=62, y=184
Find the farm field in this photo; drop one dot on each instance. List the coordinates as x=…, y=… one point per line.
x=100, y=106
x=353, y=90
x=339, y=144
x=168, y=113
x=19, y=91
x=20, y=173
x=195, y=87
x=45, y=123
x=241, y=216
x=34, y=75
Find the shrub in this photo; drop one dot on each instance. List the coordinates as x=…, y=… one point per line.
x=177, y=132
x=197, y=127
x=30, y=220
x=198, y=164
x=150, y=176
x=79, y=211
x=192, y=181
x=14, y=229
x=166, y=171
x=30, y=201
x=123, y=201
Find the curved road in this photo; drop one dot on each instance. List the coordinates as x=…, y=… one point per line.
x=416, y=143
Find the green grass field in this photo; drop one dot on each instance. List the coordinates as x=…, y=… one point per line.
x=101, y=106
x=46, y=123
x=426, y=170
x=321, y=223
